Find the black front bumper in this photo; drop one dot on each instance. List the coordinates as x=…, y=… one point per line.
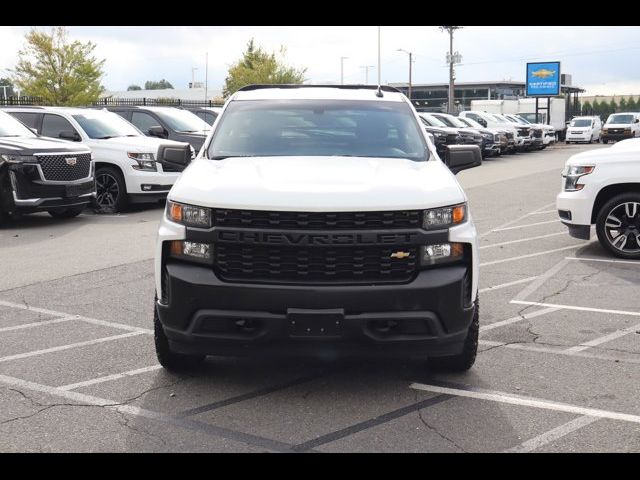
x=609, y=137
x=426, y=317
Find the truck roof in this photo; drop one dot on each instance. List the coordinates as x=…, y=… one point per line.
x=319, y=92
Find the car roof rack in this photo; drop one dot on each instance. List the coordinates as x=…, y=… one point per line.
x=384, y=88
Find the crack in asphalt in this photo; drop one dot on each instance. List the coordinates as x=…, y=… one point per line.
x=435, y=430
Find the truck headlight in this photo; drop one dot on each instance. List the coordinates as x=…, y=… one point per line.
x=146, y=161
x=441, y=253
x=189, y=215
x=572, y=174
x=192, y=251
x=444, y=217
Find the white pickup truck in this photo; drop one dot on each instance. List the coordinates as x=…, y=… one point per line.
x=602, y=188
x=319, y=221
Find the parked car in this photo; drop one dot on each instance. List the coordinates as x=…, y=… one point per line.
x=443, y=136
x=484, y=139
x=319, y=221
x=500, y=142
x=600, y=187
x=166, y=122
x=584, y=129
x=487, y=120
x=538, y=139
x=130, y=168
x=208, y=114
x=620, y=126
x=548, y=131
x=524, y=133
x=38, y=174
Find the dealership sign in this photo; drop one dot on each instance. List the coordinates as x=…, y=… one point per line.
x=543, y=79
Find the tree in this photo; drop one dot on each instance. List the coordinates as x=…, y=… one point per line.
x=133, y=87
x=613, y=106
x=259, y=67
x=59, y=71
x=587, y=109
x=632, y=106
x=161, y=85
x=8, y=91
x=622, y=106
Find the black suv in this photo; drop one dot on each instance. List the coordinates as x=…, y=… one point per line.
x=166, y=122
x=38, y=174
x=208, y=114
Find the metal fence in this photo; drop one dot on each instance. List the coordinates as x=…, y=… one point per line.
x=15, y=100
x=167, y=102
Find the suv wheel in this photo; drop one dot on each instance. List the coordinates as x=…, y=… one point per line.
x=66, y=212
x=111, y=190
x=618, y=225
x=168, y=359
x=464, y=360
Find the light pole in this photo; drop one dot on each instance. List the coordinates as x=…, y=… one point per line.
x=193, y=76
x=342, y=59
x=451, y=60
x=410, y=62
x=366, y=72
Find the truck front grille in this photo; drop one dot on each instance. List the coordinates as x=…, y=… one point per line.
x=317, y=220
x=314, y=264
x=65, y=167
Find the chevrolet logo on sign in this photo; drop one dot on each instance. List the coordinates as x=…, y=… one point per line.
x=71, y=161
x=400, y=255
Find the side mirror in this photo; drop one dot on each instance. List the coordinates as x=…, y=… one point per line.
x=33, y=130
x=462, y=157
x=158, y=131
x=637, y=120
x=69, y=135
x=482, y=122
x=176, y=156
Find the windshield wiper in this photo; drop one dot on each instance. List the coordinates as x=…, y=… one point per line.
x=222, y=157
x=106, y=137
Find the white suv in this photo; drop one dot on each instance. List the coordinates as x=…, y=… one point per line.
x=130, y=167
x=584, y=129
x=319, y=220
x=602, y=188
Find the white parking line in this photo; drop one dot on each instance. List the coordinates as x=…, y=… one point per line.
x=108, y=378
x=529, y=289
x=555, y=351
x=607, y=338
x=493, y=245
x=607, y=260
x=37, y=324
x=516, y=220
x=512, y=259
x=516, y=319
x=519, y=400
x=94, y=321
x=525, y=226
x=67, y=347
x=508, y=284
x=544, y=211
x=553, y=435
x=573, y=307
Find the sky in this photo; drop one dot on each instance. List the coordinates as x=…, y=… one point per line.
x=603, y=60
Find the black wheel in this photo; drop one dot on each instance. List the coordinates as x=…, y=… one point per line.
x=604, y=140
x=618, y=225
x=70, y=212
x=464, y=360
x=167, y=358
x=111, y=190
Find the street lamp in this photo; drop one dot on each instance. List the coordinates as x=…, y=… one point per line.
x=410, y=62
x=342, y=59
x=366, y=72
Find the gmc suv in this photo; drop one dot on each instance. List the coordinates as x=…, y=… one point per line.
x=39, y=174
x=318, y=220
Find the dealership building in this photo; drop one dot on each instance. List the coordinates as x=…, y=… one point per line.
x=432, y=97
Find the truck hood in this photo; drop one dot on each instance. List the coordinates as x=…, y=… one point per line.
x=31, y=145
x=317, y=184
x=617, y=125
x=623, y=153
x=130, y=144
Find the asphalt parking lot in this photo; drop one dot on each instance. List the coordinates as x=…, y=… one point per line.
x=558, y=368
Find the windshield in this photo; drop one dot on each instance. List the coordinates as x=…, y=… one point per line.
x=584, y=122
x=182, y=121
x=318, y=128
x=621, y=119
x=100, y=124
x=499, y=118
x=523, y=119
x=10, y=127
x=470, y=122
x=433, y=121
x=516, y=119
x=452, y=121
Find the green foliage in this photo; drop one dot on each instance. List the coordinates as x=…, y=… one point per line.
x=622, y=106
x=133, y=87
x=587, y=108
x=632, y=106
x=57, y=70
x=162, y=84
x=613, y=106
x=6, y=82
x=259, y=67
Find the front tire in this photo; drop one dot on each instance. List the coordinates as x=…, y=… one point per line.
x=71, y=212
x=618, y=226
x=169, y=359
x=111, y=191
x=604, y=140
x=464, y=360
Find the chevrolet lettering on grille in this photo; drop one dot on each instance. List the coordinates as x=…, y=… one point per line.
x=306, y=239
